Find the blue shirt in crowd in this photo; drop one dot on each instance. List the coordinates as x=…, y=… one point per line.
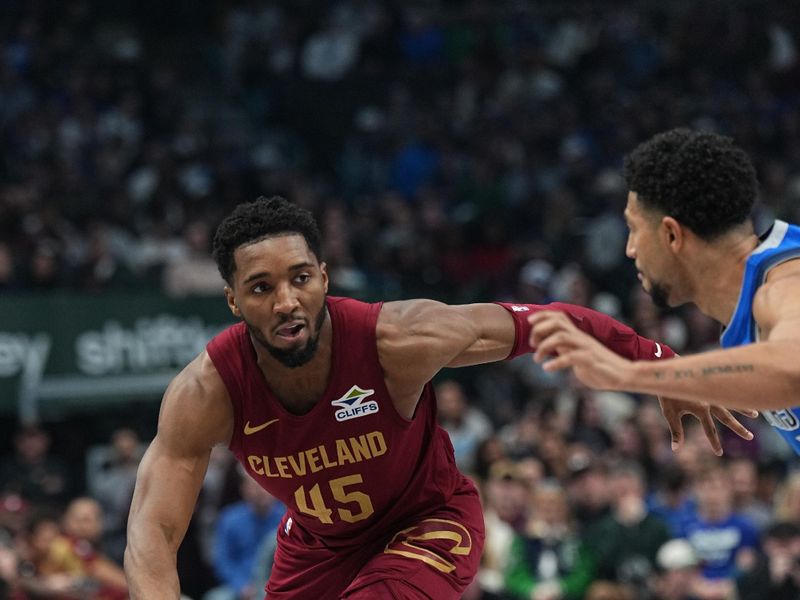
x=717, y=544
x=240, y=532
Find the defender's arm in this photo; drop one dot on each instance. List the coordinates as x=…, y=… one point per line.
x=762, y=375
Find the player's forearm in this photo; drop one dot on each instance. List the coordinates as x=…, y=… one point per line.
x=608, y=331
x=613, y=334
x=150, y=564
x=762, y=376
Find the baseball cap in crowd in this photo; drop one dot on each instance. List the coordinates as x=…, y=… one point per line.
x=676, y=554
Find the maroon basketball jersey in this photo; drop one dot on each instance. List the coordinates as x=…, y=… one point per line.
x=352, y=467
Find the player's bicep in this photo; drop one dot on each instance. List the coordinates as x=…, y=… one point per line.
x=493, y=337
x=420, y=337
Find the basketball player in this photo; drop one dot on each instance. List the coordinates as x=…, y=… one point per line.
x=327, y=403
x=691, y=194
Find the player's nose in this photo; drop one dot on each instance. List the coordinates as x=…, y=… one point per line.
x=285, y=299
x=630, y=249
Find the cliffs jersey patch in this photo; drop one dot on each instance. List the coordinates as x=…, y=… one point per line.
x=353, y=405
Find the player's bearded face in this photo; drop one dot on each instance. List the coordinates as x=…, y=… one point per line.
x=293, y=356
x=659, y=293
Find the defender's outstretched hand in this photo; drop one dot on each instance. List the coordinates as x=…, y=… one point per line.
x=674, y=409
x=561, y=345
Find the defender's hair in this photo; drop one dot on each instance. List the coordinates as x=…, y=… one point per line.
x=254, y=221
x=701, y=179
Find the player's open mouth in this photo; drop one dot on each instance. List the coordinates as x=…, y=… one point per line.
x=290, y=331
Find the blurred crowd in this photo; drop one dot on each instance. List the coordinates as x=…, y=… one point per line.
x=461, y=150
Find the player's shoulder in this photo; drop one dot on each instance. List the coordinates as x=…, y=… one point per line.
x=200, y=376
x=403, y=312
x=786, y=273
x=782, y=284
x=196, y=404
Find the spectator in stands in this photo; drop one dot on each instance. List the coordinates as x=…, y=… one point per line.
x=548, y=560
x=242, y=529
x=75, y=553
x=625, y=542
x=787, y=500
x=195, y=272
x=39, y=577
x=776, y=575
x=32, y=472
x=102, y=269
x=670, y=500
x=487, y=453
x=723, y=539
x=588, y=489
x=505, y=499
x=743, y=477
x=677, y=571
x=466, y=424
x=111, y=483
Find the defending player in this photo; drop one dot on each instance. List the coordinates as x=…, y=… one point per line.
x=327, y=403
x=691, y=194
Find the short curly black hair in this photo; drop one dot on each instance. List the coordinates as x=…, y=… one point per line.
x=701, y=179
x=254, y=221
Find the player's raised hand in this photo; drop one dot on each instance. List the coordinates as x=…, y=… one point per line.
x=561, y=345
x=674, y=410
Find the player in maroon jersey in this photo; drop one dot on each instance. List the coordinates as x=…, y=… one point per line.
x=327, y=403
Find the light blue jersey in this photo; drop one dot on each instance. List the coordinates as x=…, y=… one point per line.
x=781, y=243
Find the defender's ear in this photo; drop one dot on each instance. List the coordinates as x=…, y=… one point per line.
x=672, y=233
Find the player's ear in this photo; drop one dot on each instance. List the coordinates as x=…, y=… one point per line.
x=323, y=268
x=231, y=299
x=673, y=233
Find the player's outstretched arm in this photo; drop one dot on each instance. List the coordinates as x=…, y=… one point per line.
x=763, y=375
x=417, y=338
x=195, y=415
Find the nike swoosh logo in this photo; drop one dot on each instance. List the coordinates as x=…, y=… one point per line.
x=658, y=350
x=251, y=430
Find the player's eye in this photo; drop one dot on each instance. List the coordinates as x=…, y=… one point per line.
x=260, y=288
x=302, y=278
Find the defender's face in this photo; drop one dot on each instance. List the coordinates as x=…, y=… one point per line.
x=279, y=289
x=645, y=248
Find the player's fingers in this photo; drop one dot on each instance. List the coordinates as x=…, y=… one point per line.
x=710, y=429
x=556, y=343
x=725, y=417
x=675, y=424
x=747, y=412
x=546, y=326
x=564, y=361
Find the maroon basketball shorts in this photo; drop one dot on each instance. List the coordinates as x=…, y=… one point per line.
x=434, y=558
